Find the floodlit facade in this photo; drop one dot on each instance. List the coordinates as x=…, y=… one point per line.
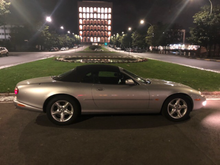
x=95, y=21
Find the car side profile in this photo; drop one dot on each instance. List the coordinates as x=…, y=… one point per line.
x=105, y=89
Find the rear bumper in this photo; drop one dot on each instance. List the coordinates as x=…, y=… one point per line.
x=24, y=106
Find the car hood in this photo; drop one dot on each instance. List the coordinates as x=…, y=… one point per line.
x=166, y=83
x=39, y=80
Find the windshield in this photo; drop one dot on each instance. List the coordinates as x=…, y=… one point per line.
x=136, y=77
x=59, y=77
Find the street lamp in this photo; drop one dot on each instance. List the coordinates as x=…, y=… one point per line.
x=48, y=19
x=61, y=27
x=68, y=32
x=142, y=21
x=129, y=28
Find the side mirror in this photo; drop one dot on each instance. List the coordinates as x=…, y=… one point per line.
x=129, y=82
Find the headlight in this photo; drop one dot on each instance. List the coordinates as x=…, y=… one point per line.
x=204, y=103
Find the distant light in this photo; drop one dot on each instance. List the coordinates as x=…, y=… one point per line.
x=106, y=43
x=61, y=27
x=129, y=29
x=68, y=32
x=142, y=21
x=48, y=19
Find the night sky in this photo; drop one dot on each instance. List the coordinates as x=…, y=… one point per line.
x=125, y=12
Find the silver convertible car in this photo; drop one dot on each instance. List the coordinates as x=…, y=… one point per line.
x=103, y=89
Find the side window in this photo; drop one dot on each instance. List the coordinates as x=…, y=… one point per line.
x=88, y=78
x=109, y=77
x=106, y=74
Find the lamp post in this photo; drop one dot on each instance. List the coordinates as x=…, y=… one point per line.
x=210, y=7
x=129, y=28
x=61, y=27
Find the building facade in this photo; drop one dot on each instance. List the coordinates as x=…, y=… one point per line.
x=95, y=21
x=5, y=32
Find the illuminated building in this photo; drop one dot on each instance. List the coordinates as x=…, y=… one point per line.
x=95, y=21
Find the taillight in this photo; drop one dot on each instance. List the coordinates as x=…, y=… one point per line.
x=16, y=90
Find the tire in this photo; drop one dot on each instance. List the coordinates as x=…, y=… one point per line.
x=62, y=110
x=177, y=108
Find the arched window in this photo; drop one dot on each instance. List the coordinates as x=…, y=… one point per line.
x=102, y=10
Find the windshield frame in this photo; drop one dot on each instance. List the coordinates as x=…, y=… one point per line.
x=136, y=77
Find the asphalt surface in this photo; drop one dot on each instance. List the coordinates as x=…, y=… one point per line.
x=30, y=138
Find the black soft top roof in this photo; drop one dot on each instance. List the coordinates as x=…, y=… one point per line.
x=79, y=72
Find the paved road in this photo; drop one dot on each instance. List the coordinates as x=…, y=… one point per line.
x=195, y=63
x=16, y=58
x=29, y=138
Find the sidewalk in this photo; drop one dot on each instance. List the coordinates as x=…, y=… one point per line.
x=8, y=97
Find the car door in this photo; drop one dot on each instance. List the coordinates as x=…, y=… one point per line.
x=109, y=95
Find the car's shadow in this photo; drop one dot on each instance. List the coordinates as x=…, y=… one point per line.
x=111, y=121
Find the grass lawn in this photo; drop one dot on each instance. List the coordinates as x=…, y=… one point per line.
x=201, y=80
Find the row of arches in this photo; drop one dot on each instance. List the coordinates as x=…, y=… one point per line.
x=95, y=22
x=91, y=15
x=91, y=27
x=94, y=33
x=95, y=39
x=95, y=9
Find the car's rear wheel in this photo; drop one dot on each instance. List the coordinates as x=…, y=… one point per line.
x=177, y=108
x=62, y=110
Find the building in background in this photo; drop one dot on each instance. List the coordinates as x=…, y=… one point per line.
x=5, y=32
x=95, y=21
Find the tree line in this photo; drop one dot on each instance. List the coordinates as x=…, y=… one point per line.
x=206, y=33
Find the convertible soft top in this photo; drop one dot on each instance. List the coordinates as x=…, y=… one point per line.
x=77, y=74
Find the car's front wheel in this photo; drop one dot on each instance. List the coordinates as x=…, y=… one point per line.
x=62, y=110
x=177, y=108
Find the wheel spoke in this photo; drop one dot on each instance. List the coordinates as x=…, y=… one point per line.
x=68, y=112
x=178, y=102
x=172, y=111
x=179, y=115
x=56, y=112
x=67, y=103
x=58, y=105
x=184, y=106
x=171, y=105
x=62, y=117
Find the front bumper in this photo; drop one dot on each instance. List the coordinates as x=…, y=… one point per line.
x=199, y=102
